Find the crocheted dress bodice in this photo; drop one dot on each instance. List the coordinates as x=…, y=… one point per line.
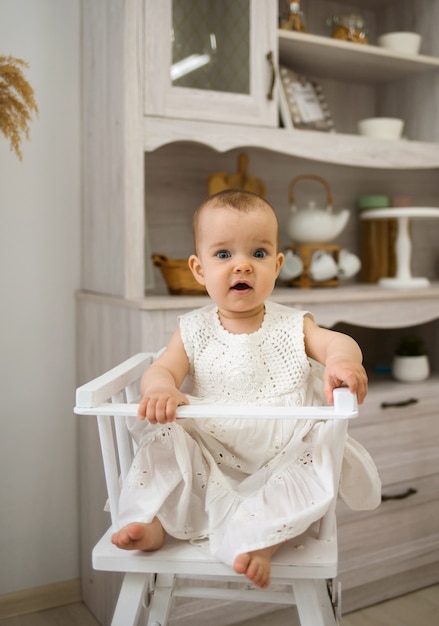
x=269, y=366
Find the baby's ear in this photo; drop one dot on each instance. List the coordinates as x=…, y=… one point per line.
x=279, y=261
x=196, y=269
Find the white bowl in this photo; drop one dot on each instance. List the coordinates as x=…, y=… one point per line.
x=381, y=127
x=401, y=42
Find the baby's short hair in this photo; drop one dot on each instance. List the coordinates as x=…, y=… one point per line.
x=238, y=199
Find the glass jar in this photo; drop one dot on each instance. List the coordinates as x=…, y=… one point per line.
x=295, y=19
x=350, y=27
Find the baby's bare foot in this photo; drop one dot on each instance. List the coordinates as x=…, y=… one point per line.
x=140, y=536
x=256, y=565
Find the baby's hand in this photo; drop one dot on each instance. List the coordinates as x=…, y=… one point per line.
x=160, y=406
x=345, y=372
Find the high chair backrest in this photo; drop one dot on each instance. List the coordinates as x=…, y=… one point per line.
x=114, y=396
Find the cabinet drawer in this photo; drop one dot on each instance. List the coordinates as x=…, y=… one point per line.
x=399, y=535
x=394, y=395
x=404, y=440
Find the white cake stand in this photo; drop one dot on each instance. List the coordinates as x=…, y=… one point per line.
x=403, y=244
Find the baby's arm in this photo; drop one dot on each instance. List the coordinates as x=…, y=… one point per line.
x=340, y=355
x=160, y=384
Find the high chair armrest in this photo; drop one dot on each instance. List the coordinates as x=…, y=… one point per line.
x=344, y=407
x=112, y=382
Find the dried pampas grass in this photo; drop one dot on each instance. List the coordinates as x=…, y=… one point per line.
x=17, y=102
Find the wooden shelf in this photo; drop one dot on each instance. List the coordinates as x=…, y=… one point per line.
x=316, y=56
x=336, y=148
x=370, y=306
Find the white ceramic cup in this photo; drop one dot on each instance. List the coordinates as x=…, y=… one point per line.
x=348, y=264
x=292, y=266
x=323, y=266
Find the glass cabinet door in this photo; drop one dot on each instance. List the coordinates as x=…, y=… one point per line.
x=211, y=60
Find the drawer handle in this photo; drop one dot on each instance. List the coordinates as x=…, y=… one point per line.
x=388, y=405
x=399, y=496
x=273, y=75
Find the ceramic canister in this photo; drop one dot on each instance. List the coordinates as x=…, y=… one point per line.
x=377, y=241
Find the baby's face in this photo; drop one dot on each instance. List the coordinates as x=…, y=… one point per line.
x=238, y=259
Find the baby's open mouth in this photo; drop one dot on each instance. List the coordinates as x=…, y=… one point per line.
x=241, y=286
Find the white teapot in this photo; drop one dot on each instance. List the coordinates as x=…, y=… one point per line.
x=313, y=224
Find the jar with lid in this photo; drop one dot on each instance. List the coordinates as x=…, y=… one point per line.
x=349, y=27
x=294, y=18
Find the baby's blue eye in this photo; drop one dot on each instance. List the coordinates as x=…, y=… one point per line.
x=260, y=254
x=223, y=254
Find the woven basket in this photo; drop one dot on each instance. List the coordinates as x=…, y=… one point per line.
x=178, y=276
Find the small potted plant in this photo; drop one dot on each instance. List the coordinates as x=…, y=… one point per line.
x=410, y=362
x=17, y=102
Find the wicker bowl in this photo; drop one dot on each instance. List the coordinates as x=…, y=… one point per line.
x=178, y=276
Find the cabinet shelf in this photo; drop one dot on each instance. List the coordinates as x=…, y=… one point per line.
x=336, y=148
x=316, y=56
x=369, y=306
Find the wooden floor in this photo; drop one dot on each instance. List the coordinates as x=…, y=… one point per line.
x=420, y=607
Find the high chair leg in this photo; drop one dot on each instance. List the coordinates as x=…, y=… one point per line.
x=314, y=603
x=161, y=600
x=130, y=600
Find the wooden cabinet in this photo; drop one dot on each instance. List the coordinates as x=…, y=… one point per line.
x=120, y=84
x=211, y=61
x=366, y=80
x=148, y=147
x=358, y=80
x=394, y=549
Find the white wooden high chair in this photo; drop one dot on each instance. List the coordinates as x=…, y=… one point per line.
x=303, y=570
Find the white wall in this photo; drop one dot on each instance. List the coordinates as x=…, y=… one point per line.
x=39, y=272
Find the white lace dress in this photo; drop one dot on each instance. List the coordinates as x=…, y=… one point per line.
x=243, y=483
